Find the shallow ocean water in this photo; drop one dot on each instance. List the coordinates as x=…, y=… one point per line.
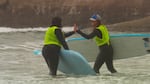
x=18, y=64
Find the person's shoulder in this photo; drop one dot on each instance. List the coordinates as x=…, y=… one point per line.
x=102, y=25
x=97, y=30
x=59, y=30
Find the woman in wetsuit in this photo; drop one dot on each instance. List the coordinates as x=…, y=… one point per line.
x=101, y=36
x=53, y=40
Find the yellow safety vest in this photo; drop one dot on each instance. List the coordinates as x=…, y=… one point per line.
x=50, y=36
x=105, y=36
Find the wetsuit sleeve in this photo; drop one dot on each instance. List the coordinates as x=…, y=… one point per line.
x=69, y=34
x=98, y=33
x=61, y=38
x=91, y=35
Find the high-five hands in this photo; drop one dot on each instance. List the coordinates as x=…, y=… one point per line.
x=75, y=28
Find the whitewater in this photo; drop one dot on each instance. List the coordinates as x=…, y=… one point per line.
x=19, y=65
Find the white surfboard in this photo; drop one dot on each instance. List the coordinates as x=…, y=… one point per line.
x=125, y=46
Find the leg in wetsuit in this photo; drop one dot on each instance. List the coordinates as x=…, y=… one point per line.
x=105, y=56
x=51, y=56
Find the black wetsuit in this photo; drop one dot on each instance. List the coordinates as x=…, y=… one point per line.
x=105, y=55
x=51, y=52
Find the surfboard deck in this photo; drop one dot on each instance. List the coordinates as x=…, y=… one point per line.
x=124, y=45
x=72, y=62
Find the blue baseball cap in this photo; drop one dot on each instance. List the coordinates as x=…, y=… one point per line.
x=95, y=17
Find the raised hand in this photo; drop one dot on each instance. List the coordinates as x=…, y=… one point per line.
x=75, y=28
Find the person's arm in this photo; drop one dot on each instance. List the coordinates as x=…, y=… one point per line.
x=69, y=34
x=61, y=38
x=91, y=35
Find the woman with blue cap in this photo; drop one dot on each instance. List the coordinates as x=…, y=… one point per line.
x=101, y=36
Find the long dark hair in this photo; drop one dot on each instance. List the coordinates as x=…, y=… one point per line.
x=56, y=21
